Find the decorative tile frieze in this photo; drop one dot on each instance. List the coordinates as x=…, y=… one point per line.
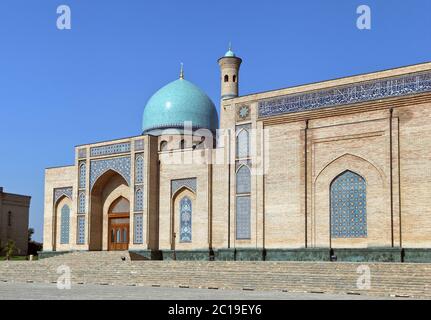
x=189, y=183
x=59, y=192
x=348, y=94
x=110, y=149
x=120, y=165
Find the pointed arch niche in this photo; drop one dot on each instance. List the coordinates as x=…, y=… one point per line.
x=183, y=207
x=377, y=206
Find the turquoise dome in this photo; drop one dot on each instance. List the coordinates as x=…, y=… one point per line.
x=177, y=102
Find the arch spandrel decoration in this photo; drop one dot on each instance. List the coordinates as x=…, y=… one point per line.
x=189, y=183
x=60, y=192
x=348, y=206
x=120, y=165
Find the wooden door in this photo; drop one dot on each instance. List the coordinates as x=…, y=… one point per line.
x=118, y=232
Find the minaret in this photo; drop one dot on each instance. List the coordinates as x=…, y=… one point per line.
x=229, y=68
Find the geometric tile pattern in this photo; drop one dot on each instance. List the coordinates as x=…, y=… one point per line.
x=59, y=192
x=185, y=220
x=64, y=228
x=348, y=94
x=139, y=199
x=81, y=230
x=348, y=206
x=81, y=203
x=139, y=169
x=243, y=180
x=243, y=217
x=110, y=149
x=139, y=239
x=189, y=183
x=82, y=174
x=120, y=165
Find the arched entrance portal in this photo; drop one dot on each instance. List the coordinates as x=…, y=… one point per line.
x=119, y=225
x=109, y=208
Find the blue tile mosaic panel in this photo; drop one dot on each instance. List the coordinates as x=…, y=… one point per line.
x=348, y=94
x=110, y=149
x=185, y=220
x=348, y=206
x=190, y=183
x=243, y=180
x=139, y=199
x=120, y=165
x=60, y=192
x=139, y=169
x=65, y=221
x=81, y=230
x=82, y=175
x=81, y=203
x=243, y=215
x=139, y=238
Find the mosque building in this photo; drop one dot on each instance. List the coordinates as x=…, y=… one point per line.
x=335, y=168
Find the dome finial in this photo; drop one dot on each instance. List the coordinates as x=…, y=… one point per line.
x=230, y=45
x=182, y=71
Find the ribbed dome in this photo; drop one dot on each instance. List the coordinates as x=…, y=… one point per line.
x=177, y=102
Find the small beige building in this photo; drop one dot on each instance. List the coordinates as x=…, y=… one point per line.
x=339, y=168
x=14, y=213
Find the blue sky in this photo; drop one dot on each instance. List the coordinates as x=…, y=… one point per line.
x=59, y=89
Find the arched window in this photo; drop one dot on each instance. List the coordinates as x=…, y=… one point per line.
x=348, y=206
x=118, y=236
x=139, y=199
x=65, y=220
x=226, y=78
x=243, y=144
x=182, y=144
x=163, y=145
x=81, y=207
x=234, y=78
x=139, y=169
x=112, y=236
x=185, y=220
x=82, y=172
x=243, y=183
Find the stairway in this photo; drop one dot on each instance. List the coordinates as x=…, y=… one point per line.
x=387, y=279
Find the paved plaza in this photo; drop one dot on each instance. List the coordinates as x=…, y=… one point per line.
x=43, y=291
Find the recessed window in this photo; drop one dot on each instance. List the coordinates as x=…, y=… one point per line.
x=182, y=144
x=9, y=219
x=234, y=78
x=226, y=78
x=163, y=145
